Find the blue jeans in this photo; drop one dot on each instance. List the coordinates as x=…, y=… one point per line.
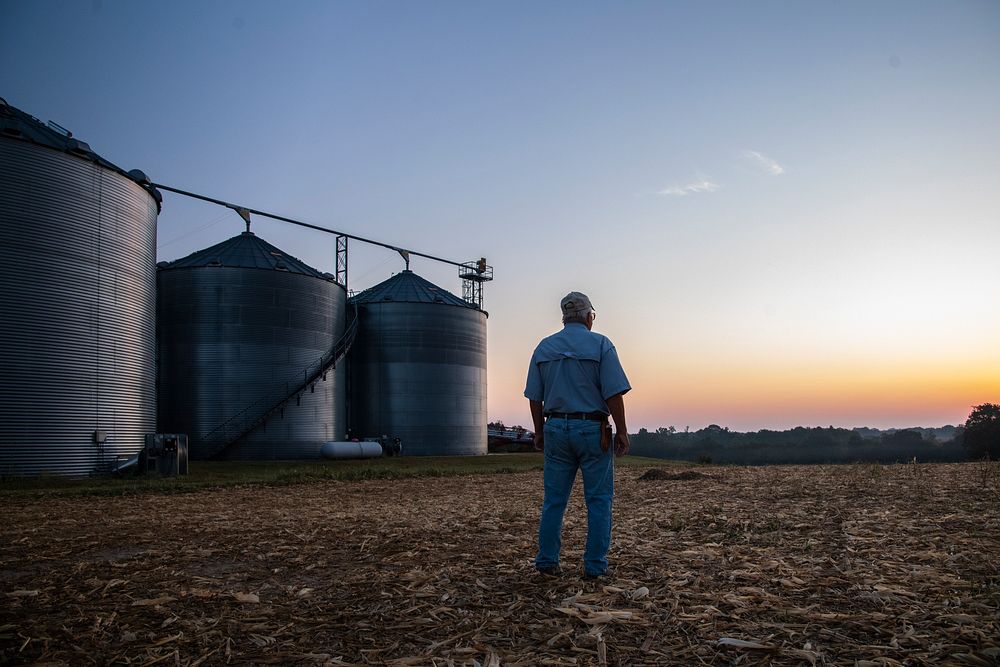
x=572, y=444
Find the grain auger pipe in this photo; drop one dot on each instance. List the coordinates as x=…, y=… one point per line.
x=245, y=212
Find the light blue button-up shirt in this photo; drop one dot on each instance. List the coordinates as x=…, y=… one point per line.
x=575, y=370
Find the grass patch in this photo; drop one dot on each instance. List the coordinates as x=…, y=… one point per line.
x=218, y=474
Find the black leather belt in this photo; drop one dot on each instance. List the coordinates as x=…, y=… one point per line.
x=589, y=416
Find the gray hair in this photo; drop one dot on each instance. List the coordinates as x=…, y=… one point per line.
x=578, y=315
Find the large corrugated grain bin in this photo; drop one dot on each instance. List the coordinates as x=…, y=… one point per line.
x=242, y=326
x=78, y=289
x=418, y=368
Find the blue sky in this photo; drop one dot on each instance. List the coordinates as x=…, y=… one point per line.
x=785, y=213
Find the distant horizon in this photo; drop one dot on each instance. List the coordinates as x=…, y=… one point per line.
x=640, y=416
x=633, y=429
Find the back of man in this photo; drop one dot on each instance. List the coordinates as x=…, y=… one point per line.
x=574, y=382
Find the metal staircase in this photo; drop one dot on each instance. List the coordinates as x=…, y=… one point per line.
x=231, y=431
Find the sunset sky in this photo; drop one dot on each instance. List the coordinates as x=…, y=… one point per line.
x=785, y=213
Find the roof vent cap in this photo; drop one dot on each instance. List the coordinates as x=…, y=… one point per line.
x=139, y=176
x=81, y=147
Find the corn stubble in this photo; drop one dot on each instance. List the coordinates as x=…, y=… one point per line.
x=825, y=565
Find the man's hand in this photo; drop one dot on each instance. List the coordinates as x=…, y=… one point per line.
x=617, y=407
x=538, y=421
x=621, y=443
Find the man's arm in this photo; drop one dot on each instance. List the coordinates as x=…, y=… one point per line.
x=616, y=404
x=538, y=420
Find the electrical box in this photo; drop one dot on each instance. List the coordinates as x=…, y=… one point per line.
x=165, y=454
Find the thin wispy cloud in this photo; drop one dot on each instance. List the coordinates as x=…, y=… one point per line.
x=694, y=187
x=762, y=163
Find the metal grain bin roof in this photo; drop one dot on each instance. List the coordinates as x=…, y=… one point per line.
x=16, y=124
x=408, y=287
x=246, y=251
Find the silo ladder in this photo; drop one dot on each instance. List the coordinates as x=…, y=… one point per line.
x=254, y=415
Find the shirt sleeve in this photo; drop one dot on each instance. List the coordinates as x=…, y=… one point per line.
x=533, y=388
x=613, y=380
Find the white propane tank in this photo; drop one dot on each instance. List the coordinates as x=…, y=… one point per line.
x=351, y=450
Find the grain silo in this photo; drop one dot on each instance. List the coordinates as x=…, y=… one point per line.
x=248, y=342
x=78, y=287
x=418, y=368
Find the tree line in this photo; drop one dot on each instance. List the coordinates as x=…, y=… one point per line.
x=979, y=437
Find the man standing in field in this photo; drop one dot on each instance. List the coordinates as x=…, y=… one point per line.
x=574, y=381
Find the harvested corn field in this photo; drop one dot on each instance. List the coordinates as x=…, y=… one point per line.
x=824, y=565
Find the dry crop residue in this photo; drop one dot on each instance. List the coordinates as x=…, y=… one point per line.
x=823, y=565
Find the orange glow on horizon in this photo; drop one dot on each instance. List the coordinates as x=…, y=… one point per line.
x=779, y=396
x=820, y=394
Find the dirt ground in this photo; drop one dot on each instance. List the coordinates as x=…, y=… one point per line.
x=826, y=565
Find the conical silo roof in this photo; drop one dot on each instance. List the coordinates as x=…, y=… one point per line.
x=408, y=287
x=245, y=251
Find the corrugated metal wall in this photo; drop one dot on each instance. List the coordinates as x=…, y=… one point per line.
x=77, y=329
x=418, y=372
x=228, y=337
